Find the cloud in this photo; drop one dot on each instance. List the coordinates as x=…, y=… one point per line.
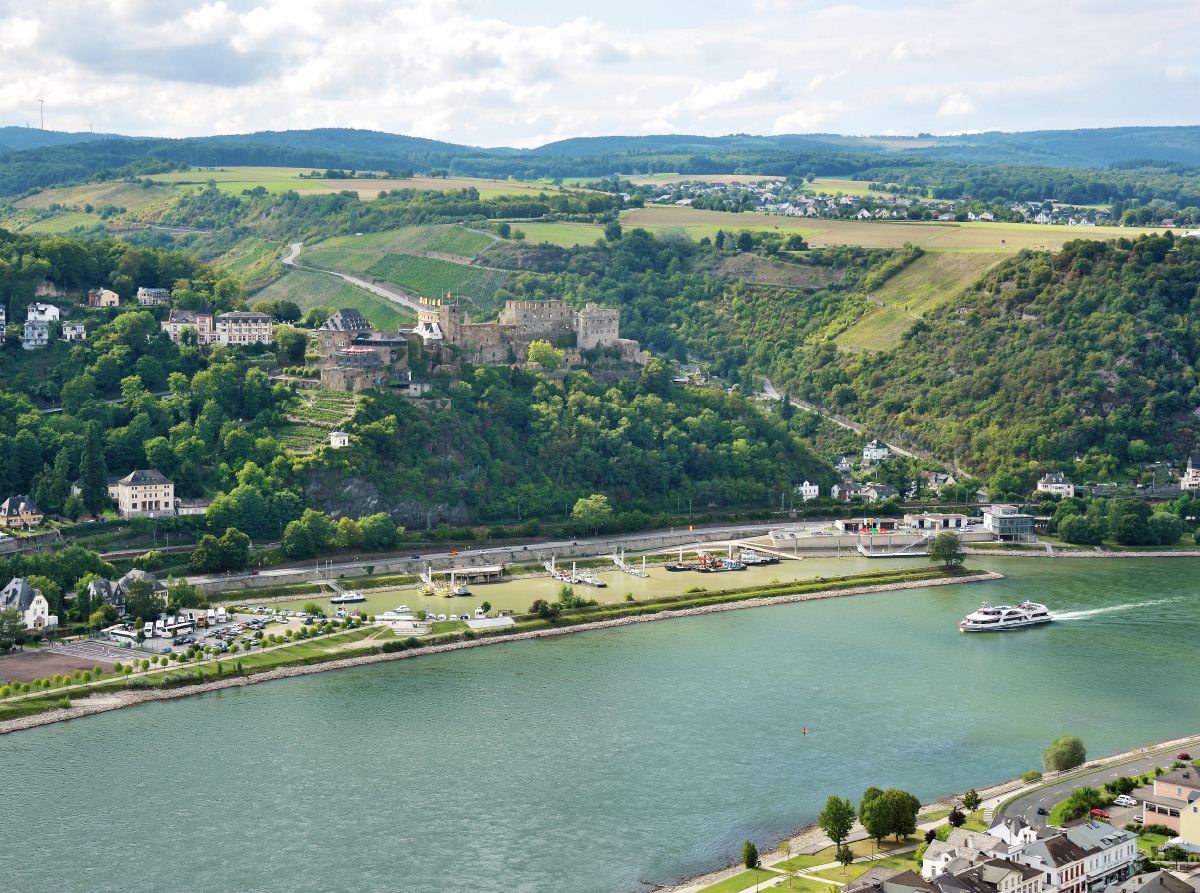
x=472, y=71
x=956, y=104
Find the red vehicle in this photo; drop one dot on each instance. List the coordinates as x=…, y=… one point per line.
x=1183, y=756
x=1099, y=813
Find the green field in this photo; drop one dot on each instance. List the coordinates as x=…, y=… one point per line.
x=565, y=235
x=255, y=261
x=63, y=223
x=930, y=280
x=339, y=259
x=309, y=289
x=444, y=239
x=459, y=240
x=433, y=278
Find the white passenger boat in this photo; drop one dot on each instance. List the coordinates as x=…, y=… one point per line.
x=1001, y=618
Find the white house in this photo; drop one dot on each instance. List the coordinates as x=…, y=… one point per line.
x=151, y=297
x=35, y=336
x=244, y=327
x=1111, y=851
x=1191, y=477
x=961, y=850
x=864, y=214
x=875, y=451
x=845, y=463
x=1063, y=863
x=73, y=331
x=30, y=602
x=339, y=439
x=1013, y=830
x=936, y=521
x=807, y=491
x=143, y=493
x=987, y=215
x=42, y=313
x=1057, y=484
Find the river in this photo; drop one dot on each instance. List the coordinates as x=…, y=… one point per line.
x=594, y=761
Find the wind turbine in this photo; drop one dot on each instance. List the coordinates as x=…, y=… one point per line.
x=42, y=110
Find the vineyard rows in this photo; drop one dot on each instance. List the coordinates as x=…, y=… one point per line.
x=432, y=278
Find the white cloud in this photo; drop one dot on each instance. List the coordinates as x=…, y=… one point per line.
x=577, y=67
x=956, y=104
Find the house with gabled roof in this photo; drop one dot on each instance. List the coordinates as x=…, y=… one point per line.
x=20, y=511
x=1062, y=862
x=30, y=602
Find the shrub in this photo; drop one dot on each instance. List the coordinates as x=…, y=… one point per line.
x=412, y=641
x=5, y=691
x=64, y=702
x=749, y=855
x=1031, y=775
x=97, y=670
x=117, y=667
x=395, y=645
x=138, y=683
x=956, y=819
x=1158, y=828
x=1135, y=827
x=177, y=679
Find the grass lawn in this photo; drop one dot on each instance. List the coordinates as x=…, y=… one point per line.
x=1058, y=814
x=1145, y=841
x=860, y=848
x=931, y=280
x=933, y=816
x=804, y=885
x=740, y=882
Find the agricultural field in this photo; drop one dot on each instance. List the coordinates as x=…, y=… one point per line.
x=445, y=239
x=317, y=413
x=564, y=235
x=63, y=223
x=878, y=330
x=432, y=278
x=123, y=195
x=930, y=280
x=280, y=179
x=669, y=179
x=819, y=233
x=461, y=241
x=254, y=261
x=310, y=289
x=339, y=259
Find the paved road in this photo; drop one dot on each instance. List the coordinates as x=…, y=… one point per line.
x=530, y=553
x=1027, y=806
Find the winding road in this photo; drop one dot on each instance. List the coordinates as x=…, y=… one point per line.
x=395, y=297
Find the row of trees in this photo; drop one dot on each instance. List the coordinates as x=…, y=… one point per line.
x=882, y=813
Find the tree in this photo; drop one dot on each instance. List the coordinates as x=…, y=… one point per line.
x=51, y=590
x=904, y=812
x=868, y=795
x=946, y=550
x=142, y=601
x=73, y=507
x=55, y=485
x=930, y=837
x=546, y=355
x=1175, y=853
x=504, y=230
x=379, y=533
x=93, y=474
x=745, y=241
x=612, y=232
x=719, y=240
x=1065, y=753
x=12, y=624
x=105, y=615
x=592, y=512
x=956, y=819
x=311, y=608
x=749, y=855
x=971, y=800
x=877, y=818
x=234, y=549
x=487, y=606
x=836, y=819
x=206, y=558
x=845, y=856
x=1165, y=527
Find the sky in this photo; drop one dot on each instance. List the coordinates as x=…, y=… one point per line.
x=502, y=73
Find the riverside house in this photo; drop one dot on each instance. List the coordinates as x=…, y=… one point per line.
x=1169, y=795
x=1111, y=851
x=1062, y=862
x=935, y=521
x=1056, y=484
x=30, y=602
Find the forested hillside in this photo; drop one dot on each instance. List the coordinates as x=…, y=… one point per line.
x=507, y=437
x=1090, y=350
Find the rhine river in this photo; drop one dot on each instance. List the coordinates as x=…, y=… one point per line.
x=592, y=762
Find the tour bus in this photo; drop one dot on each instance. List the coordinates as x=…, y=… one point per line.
x=122, y=634
x=148, y=631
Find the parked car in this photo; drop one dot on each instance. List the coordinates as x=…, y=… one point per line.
x=1139, y=819
x=1042, y=810
x=1125, y=800
x=254, y=572
x=1099, y=813
x=415, y=558
x=1183, y=756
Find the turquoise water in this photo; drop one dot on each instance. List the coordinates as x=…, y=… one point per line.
x=595, y=761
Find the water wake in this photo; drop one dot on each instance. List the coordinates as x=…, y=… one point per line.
x=1082, y=615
